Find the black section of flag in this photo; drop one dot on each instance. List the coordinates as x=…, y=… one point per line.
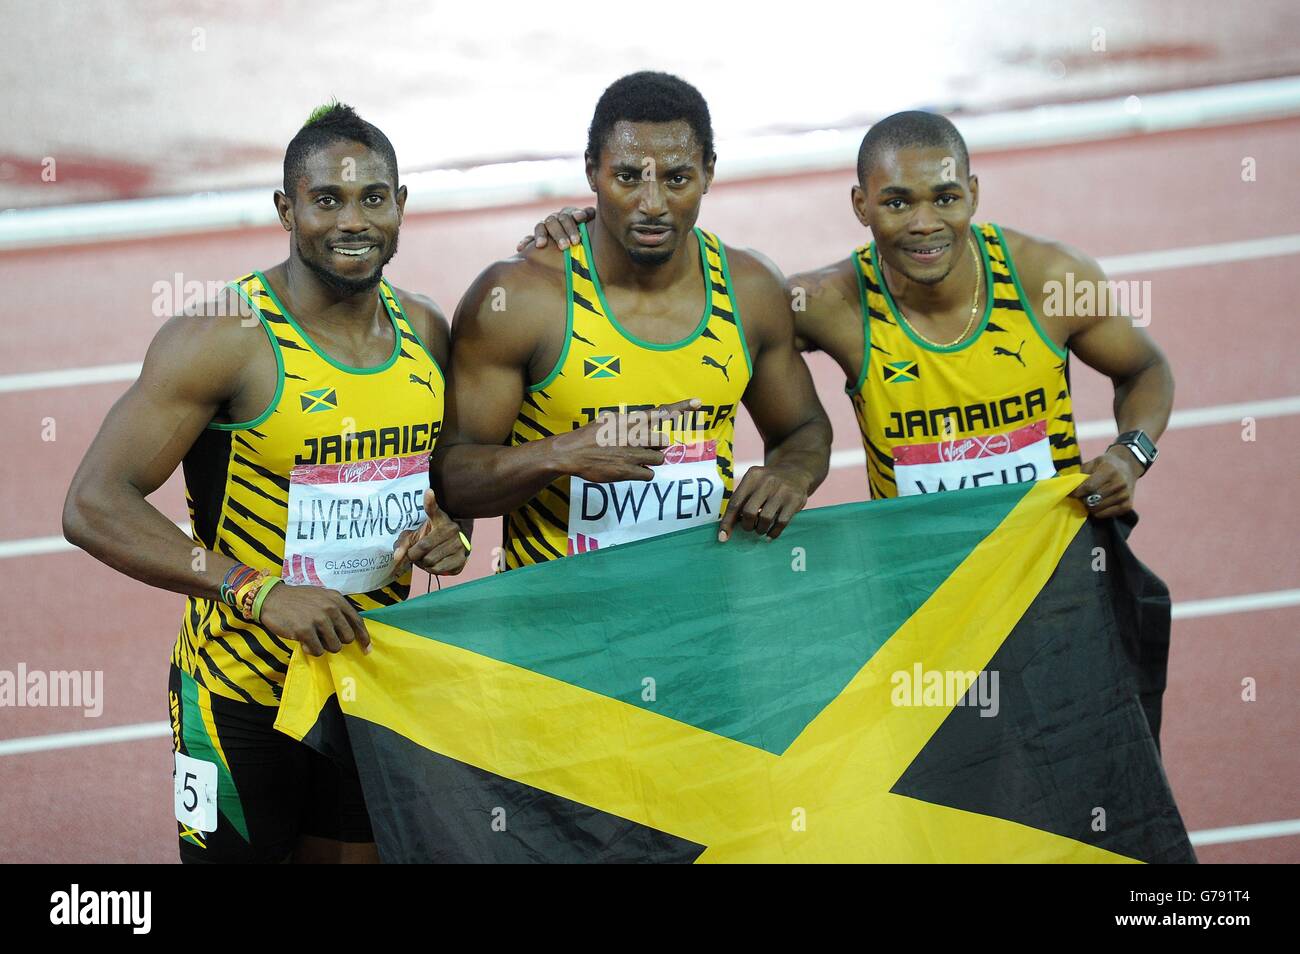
x=1079, y=684
x=441, y=810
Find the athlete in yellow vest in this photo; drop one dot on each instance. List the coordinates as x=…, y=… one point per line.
x=303, y=405
x=558, y=359
x=955, y=337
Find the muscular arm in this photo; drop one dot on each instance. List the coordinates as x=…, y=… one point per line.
x=474, y=472
x=1139, y=371
x=435, y=546
x=191, y=370
x=783, y=402
x=194, y=369
x=1105, y=340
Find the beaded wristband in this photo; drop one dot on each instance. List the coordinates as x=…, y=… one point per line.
x=266, y=586
x=245, y=595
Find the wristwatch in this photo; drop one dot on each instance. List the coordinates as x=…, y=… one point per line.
x=1142, y=447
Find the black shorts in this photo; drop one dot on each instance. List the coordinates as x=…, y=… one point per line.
x=270, y=789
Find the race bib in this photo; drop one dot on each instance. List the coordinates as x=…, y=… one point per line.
x=344, y=520
x=194, y=793
x=686, y=491
x=1012, y=457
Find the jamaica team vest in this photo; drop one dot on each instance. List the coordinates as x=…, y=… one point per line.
x=603, y=366
x=315, y=490
x=993, y=409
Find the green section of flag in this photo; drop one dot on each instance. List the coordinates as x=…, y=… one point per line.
x=865, y=567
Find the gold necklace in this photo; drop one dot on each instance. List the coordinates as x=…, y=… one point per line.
x=974, y=303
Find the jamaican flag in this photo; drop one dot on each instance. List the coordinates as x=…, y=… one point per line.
x=953, y=677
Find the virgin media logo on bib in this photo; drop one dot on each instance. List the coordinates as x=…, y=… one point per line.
x=686, y=491
x=1008, y=457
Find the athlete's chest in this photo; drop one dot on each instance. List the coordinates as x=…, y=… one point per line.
x=606, y=372
x=629, y=351
x=660, y=320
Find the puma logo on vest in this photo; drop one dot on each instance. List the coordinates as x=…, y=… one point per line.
x=709, y=362
x=1011, y=354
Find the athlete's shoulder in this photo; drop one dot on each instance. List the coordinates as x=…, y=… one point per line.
x=826, y=312
x=518, y=284
x=533, y=267
x=828, y=290
x=1038, y=260
x=761, y=299
x=208, y=349
x=219, y=326
x=756, y=282
x=427, y=319
x=513, y=306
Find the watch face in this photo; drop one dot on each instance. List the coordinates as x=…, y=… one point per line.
x=1142, y=446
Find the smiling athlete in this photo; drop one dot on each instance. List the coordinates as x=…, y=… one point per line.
x=302, y=406
x=955, y=339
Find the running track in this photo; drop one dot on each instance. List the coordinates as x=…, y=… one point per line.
x=1218, y=518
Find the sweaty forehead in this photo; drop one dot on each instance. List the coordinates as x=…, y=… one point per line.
x=668, y=144
x=914, y=168
x=343, y=164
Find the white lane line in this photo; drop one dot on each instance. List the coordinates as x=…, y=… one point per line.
x=69, y=377
x=35, y=546
x=1218, y=254
x=1214, y=414
x=72, y=740
x=1245, y=603
x=1223, y=836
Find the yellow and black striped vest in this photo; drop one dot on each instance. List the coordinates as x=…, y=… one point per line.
x=602, y=366
x=325, y=416
x=992, y=409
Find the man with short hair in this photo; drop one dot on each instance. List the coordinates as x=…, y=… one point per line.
x=647, y=321
x=304, y=435
x=958, y=371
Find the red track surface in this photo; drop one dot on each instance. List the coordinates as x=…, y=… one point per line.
x=1218, y=518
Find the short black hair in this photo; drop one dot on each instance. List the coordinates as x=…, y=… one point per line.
x=911, y=129
x=328, y=124
x=650, y=97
